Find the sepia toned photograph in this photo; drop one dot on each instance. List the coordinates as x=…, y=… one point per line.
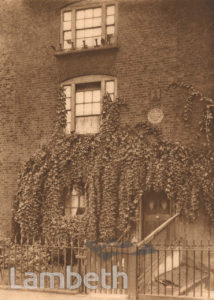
x=107, y=149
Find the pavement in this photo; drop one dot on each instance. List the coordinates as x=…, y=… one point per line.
x=8, y=294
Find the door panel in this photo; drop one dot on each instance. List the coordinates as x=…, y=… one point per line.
x=155, y=211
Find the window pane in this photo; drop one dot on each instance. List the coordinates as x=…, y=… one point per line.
x=67, y=90
x=95, y=124
x=66, y=45
x=96, y=96
x=110, y=10
x=110, y=87
x=88, y=109
x=96, y=22
x=87, y=124
x=75, y=201
x=112, y=96
x=88, y=19
x=90, y=86
x=96, y=108
x=88, y=96
x=110, y=29
x=68, y=116
x=96, y=32
x=79, y=97
x=88, y=23
x=68, y=104
x=68, y=201
x=80, y=14
x=164, y=207
x=88, y=32
x=80, y=24
x=79, y=43
x=67, y=16
x=98, y=40
x=79, y=109
x=81, y=125
x=88, y=13
x=110, y=20
x=68, y=128
x=80, y=33
x=97, y=12
x=73, y=212
x=74, y=192
x=67, y=35
x=67, y=25
x=82, y=201
x=89, y=42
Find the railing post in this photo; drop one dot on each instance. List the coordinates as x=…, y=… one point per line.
x=88, y=266
x=132, y=272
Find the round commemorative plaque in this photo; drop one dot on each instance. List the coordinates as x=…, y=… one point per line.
x=155, y=115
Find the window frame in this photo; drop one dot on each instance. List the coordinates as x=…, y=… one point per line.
x=73, y=9
x=84, y=80
x=71, y=207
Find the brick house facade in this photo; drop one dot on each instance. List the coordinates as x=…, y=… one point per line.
x=158, y=42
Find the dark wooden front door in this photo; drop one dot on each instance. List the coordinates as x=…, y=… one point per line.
x=155, y=211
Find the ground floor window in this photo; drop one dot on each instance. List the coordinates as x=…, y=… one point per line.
x=74, y=203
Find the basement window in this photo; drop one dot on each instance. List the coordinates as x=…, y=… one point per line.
x=84, y=102
x=88, y=27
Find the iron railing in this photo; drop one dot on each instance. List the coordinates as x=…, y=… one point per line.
x=107, y=256
x=19, y=260
x=176, y=270
x=37, y=256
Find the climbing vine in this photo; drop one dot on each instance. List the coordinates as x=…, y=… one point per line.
x=205, y=122
x=114, y=168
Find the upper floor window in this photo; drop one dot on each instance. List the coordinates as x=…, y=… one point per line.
x=84, y=101
x=88, y=27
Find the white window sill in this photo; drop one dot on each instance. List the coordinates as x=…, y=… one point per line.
x=70, y=51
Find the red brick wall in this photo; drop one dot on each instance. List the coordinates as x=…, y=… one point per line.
x=160, y=41
x=7, y=122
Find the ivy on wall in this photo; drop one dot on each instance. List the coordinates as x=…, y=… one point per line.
x=115, y=168
x=205, y=124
